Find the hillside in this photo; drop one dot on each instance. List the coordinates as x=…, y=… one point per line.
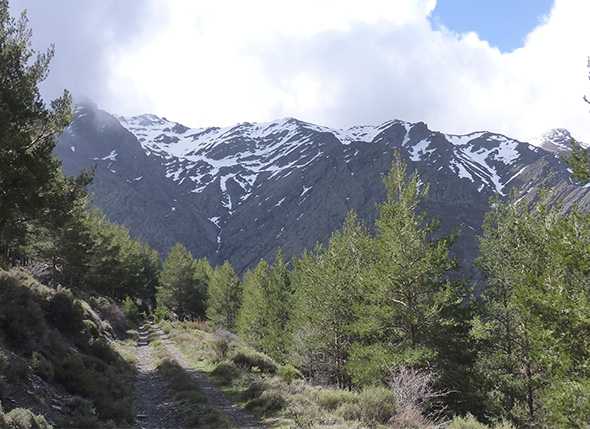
x=239, y=193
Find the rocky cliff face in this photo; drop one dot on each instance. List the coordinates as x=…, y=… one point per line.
x=240, y=193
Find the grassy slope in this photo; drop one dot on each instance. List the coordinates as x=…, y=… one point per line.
x=282, y=399
x=275, y=394
x=57, y=357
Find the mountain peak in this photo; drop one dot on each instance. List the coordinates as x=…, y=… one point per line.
x=557, y=140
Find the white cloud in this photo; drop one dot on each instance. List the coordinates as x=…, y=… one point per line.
x=344, y=62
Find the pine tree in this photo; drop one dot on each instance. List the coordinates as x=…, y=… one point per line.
x=251, y=320
x=579, y=162
x=404, y=288
x=279, y=300
x=181, y=288
x=27, y=130
x=535, y=355
x=327, y=288
x=264, y=315
x=224, y=297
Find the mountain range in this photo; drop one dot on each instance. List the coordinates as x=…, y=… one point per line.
x=239, y=193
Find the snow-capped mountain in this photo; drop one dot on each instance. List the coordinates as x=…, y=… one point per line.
x=557, y=140
x=241, y=192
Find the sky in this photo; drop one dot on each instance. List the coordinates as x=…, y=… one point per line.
x=517, y=67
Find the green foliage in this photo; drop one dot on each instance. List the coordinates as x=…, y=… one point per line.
x=27, y=130
x=248, y=359
x=64, y=313
x=108, y=386
x=567, y=403
x=533, y=356
x=22, y=321
x=224, y=297
x=579, y=162
x=183, y=284
x=470, y=422
x=131, y=310
x=42, y=366
x=405, y=290
x=267, y=403
x=377, y=405
x=289, y=373
x=21, y=418
x=226, y=372
x=327, y=288
x=264, y=315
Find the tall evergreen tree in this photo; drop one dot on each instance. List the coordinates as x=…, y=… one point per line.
x=27, y=130
x=182, y=288
x=266, y=306
x=224, y=297
x=327, y=288
x=251, y=319
x=405, y=289
x=535, y=352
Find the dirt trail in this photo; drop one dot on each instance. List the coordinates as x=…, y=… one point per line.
x=152, y=413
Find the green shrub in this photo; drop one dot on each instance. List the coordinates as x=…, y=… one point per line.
x=81, y=413
x=289, y=373
x=22, y=321
x=268, y=402
x=254, y=390
x=102, y=350
x=225, y=372
x=331, y=399
x=42, y=366
x=467, y=422
x=161, y=313
x=64, y=313
x=91, y=328
x=131, y=310
x=21, y=418
x=377, y=405
x=350, y=411
x=108, y=387
x=249, y=360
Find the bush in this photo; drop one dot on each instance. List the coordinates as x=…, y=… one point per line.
x=64, y=313
x=350, y=411
x=107, y=386
x=80, y=414
x=161, y=313
x=225, y=372
x=42, y=366
x=268, y=402
x=21, y=418
x=331, y=399
x=254, y=390
x=289, y=373
x=249, y=360
x=131, y=310
x=221, y=344
x=377, y=405
x=22, y=321
x=467, y=422
x=102, y=350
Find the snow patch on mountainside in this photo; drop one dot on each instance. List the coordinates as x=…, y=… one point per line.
x=249, y=153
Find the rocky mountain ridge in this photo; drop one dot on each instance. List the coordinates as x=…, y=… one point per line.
x=241, y=192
